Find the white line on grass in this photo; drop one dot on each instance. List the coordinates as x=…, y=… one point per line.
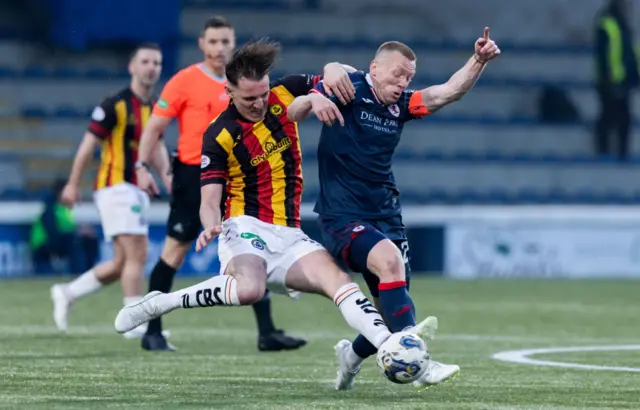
x=522, y=357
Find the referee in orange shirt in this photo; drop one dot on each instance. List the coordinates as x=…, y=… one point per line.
x=195, y=96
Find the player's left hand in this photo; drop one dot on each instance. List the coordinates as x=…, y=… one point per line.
x=485, y=48
x=336, y=81
x=325, y=109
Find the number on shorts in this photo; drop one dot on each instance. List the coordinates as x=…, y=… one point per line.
x=404, y=249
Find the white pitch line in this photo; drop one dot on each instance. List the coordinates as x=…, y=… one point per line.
x=522, y=357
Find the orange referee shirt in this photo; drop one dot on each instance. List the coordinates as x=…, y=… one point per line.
x=195, y=97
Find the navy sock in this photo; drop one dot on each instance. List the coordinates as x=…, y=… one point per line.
x=262, y=310
x=397, y=305
x=363, y=347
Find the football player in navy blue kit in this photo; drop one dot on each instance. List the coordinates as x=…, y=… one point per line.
x=359, y=208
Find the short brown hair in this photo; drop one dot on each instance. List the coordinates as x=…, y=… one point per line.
x=253, y=60
x=216, y=22
x=401, y=48
x=144, y=46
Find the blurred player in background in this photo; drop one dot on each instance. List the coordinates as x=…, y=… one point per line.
x=117, y=125
x=359, y=208
x=253, y=149
x=195, y=96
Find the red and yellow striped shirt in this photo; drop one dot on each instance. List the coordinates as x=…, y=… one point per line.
x=118, y=122
x=261, y=162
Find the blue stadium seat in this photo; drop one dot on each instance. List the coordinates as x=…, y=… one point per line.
x=302, y=41
x=494, y=156
x=14, y=194
x=99, y=73
x=433, y=195
x=528, y=195
x=465, y=155
x=64, y=112
x=408, y=154
x=585, y=196
x=433, y=156
x=33, y=112
x=7, y=72
x=35, y=72
x=469, y=195
x=497, y=195
x=616, y=196
x=65, y=72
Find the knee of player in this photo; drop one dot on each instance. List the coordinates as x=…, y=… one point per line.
x=250, y=292
x=174, y=252
x=391, y=267
x=118, y=261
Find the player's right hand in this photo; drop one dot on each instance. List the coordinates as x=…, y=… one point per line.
x=207, y=236
x=70, y=195
x=325, y=110
x=146, y=182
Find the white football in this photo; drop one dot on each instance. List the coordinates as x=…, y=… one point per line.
x=403, y=357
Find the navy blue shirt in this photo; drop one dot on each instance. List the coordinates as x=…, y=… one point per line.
x=354, y=161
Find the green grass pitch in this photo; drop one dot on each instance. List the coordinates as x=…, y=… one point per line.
x=218, y=366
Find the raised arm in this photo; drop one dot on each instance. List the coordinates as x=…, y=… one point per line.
x=322, y=99
x=438, y=96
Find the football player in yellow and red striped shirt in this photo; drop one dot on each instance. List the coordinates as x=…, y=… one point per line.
x=253, y=150
x=116, y=124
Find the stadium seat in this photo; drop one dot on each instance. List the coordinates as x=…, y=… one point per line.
x=35, y=72
x=63, y=112
x=33, y=112
x=7, y=72
x=65, y=73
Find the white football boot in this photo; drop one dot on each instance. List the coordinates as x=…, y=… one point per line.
x=346, y=372
x=136, y=314
x=136, y=332
x=61, y=306
x=436, y=372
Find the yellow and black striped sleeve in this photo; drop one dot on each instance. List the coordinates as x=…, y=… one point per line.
x=289, y=87
x=217, y=143
x=103, y=119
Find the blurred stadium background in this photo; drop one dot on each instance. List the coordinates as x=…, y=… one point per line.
x=497, y=148
x=505, y=183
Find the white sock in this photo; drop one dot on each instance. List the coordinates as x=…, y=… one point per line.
x=131, y=299
x=83, y=285
x=219, y=290
x=360, y=314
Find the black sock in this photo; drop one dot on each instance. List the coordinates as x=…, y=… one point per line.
x=262, y=310
x=161, y=279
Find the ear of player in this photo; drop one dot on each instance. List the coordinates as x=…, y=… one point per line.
x=485, y=48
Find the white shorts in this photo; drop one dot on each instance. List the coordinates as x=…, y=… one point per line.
x=279, y=246
x=123, y=210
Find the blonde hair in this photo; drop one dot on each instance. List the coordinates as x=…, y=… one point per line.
x=401, y=48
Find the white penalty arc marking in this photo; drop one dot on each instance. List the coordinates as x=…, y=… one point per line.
x=522, y=357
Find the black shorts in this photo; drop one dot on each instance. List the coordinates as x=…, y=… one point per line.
x=184, y=218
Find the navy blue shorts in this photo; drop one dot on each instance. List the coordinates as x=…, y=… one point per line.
x=350, y=239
